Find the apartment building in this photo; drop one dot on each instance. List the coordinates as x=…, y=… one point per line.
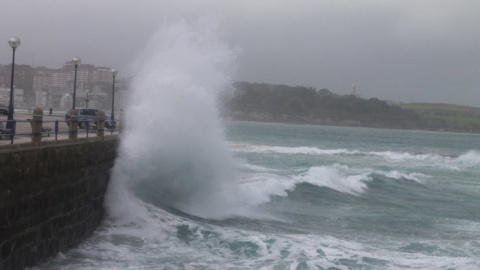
x=46, y=87
x=18, y=96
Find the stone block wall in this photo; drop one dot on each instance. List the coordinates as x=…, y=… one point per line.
x=51, y=196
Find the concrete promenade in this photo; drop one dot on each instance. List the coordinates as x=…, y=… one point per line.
x=24, y=129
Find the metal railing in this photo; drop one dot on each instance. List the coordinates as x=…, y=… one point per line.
x=8, y=132
x=24, y=128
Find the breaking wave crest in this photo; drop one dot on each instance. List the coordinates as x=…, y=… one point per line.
x=173, y=152
x=260, y=185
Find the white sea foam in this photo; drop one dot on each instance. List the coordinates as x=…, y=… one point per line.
x=258, y=187
x=416, y=177
x=203, y=245
x=336, y=178
x=173, y=147
x=400, y=156
x=260, y=184
x=291, y=150
x=471, y=157
x=441, y=161
x=388, y=155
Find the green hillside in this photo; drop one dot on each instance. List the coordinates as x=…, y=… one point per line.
x=282, y=103
x=447, y=117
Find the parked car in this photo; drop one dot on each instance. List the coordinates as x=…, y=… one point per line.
x=3, y=109
x=87, y=115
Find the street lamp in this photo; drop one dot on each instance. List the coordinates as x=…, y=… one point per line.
x=86, y=99
x=14, y=42
x=76, y=61
x=114, y=73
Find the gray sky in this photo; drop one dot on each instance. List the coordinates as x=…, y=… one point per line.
x=399, y=50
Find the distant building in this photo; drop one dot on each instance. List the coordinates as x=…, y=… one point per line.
x=18, y=98
x=47, y=87
x=41, y=99
x=103, y=74
x=63, y=78
x=41, y=78
x=66, y=101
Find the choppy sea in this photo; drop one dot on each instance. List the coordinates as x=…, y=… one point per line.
x=316, y=197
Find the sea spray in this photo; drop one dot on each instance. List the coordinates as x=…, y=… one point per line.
x=173, y=153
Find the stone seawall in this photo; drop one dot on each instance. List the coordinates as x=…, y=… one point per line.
x=51, y=196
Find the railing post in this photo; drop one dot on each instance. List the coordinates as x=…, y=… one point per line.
x=36, y=123
x=73, y=127
x=56, y=129
x=121, y=122
x=14, y=127
x=100, y=124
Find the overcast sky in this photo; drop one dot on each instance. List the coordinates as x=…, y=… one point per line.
x=399, y=50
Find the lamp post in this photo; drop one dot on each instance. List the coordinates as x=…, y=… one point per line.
x=14, y=43
x=86, y=99
x=76, y=61
x=114, y=73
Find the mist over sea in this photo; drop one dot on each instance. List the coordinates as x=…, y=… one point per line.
x=189, y=191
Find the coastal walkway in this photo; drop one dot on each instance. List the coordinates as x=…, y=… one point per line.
x=23, y=130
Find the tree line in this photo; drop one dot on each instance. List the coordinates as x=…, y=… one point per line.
x=299, y=104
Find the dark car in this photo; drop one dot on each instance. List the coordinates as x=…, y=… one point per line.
x=87, y=115
x=3, y=109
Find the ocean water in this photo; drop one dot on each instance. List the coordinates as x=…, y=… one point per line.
x=190, y=191
x=317, y=197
